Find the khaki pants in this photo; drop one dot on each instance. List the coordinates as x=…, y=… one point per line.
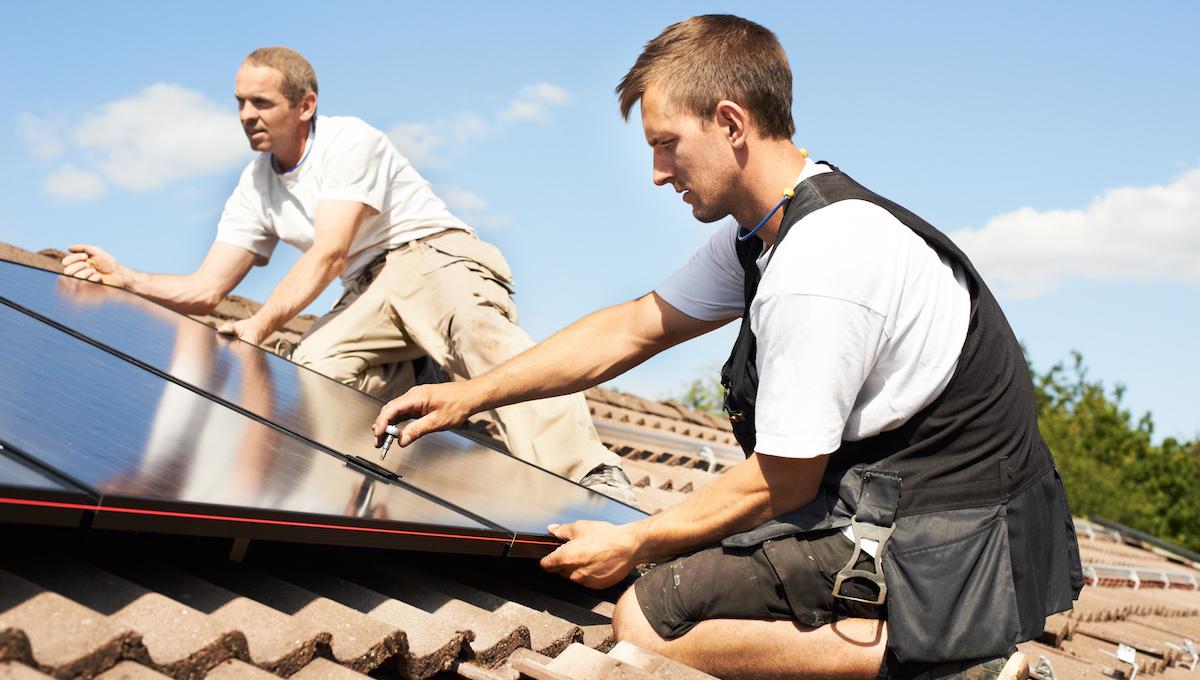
x=448, y=297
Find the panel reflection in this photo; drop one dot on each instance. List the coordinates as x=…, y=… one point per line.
x=505, y=490
x=129, y=434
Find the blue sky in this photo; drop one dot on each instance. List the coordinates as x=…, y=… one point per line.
x=1057, y=143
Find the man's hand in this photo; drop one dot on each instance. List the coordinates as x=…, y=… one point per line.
x=93, y=264
x=596, y=554
x=435, y=407
x=246, y=329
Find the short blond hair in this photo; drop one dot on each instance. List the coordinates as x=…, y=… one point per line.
x=705, y=59
x=299, y=78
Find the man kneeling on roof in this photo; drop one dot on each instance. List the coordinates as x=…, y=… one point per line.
x=898, y=514
x=417, y=281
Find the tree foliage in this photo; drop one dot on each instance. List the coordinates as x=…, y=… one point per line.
x=705, y=394
x=1109, y=462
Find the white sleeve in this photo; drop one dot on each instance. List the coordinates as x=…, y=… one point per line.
x=355, y=169
x=710, y=285
x=243, y=223
x=814, y=354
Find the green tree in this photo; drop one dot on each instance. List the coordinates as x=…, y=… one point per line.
x=705, y=394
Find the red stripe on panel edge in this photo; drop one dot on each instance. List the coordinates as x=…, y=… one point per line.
x=254, y=520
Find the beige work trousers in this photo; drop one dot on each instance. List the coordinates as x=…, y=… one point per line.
x=448, y=297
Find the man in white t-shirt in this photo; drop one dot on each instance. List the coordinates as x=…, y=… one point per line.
x=883, y=403
x=417, y=280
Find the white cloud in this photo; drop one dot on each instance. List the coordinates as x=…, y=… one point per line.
x=425, y=143
x=1128, y=233
x=417, y=142
x=471, y=207
x=461, y=200
x=533, y=102
x=70, y=183
x=162, y=134
x=39, y=136
x=468, y=127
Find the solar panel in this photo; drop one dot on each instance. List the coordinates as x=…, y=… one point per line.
x=507, y=491
x=159, y=456
x=30, y=495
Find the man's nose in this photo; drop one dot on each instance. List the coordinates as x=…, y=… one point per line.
x=661, y=174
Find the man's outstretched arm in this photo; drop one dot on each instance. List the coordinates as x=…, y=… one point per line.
x=335, y=226
x=223, y=268
x=596, y=348
x=763, y=487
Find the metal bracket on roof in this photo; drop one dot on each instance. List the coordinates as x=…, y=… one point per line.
x=1125, y=654
x=1195, y=583
x=1189, y=649
x=1090, y=572
x=1137, y=582
x=1043, y=670
x=705, y=451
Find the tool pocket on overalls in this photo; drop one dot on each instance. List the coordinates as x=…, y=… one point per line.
x=951, y=586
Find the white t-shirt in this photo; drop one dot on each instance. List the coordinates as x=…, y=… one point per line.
x=859, y=323
x=345, y=160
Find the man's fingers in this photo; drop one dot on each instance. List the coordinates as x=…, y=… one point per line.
x=79, y=269
x=81, y=248
x=553, y=561
x=391, y=412
x=74, y=257
x=419, y=428
x=95, y=277
x=227, y=328
x=564, y=531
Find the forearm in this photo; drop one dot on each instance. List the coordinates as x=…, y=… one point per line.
x=188, y=294
x=596, y=348
x=739, y=500
x=303, y=283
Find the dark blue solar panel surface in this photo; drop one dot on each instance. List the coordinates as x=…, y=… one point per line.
x=502, y=489
x=32, y=496
x=141, y=442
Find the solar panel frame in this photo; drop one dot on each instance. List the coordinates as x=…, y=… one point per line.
x=435, y=464
x=30, y=494
x=123, y=504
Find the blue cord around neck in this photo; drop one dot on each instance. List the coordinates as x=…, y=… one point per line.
x=308, y=145
x=787, y=196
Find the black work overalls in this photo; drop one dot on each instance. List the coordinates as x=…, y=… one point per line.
x=978, y=544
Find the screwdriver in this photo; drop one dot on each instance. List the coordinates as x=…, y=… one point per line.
x=392, y=432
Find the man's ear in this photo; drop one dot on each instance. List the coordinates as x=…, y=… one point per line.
x=734, y=122
x=308, y=106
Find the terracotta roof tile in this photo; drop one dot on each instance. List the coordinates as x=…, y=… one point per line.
x=358, y=641
x=11, y=670
x=129, y=670
x=495, y=637
x=276, y=642
x=433, y=644
x=324, y=669
x=59, y=635
x=180, y=640
x=577, y=662
x=238, y=670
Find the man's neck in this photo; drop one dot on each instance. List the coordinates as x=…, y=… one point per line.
x=773, y=170
x=290, y=158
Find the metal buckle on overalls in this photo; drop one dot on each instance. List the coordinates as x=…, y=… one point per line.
x=872, y=532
